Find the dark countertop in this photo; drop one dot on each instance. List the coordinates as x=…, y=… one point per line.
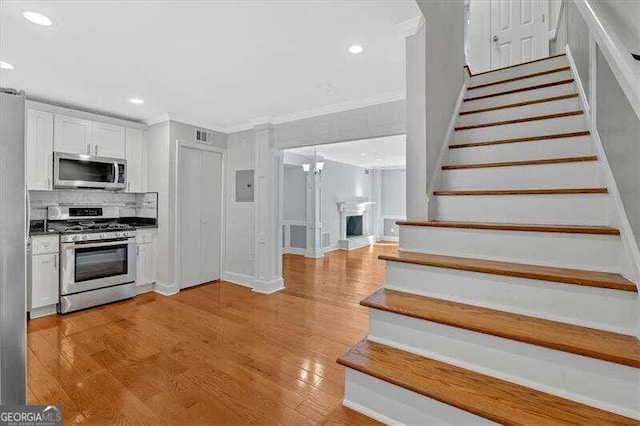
x=37, y=226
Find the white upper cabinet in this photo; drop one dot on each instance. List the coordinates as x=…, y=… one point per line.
x=136, y=160
x=108, y=140
x=39, y=149
x=73, y=135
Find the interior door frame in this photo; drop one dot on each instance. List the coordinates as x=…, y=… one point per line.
x=546, y=6
x=176, y=193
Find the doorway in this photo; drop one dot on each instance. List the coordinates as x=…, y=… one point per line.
x=200, y=215
x=519, y=31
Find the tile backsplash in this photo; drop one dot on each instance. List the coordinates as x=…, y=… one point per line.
x=140, y=204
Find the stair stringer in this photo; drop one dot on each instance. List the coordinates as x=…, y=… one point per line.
x=630, y=263
x=435, y=180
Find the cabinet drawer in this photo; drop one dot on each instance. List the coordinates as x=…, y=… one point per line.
x=42, y=244
x=145, y=236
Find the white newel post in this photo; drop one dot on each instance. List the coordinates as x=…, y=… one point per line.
x=268, y=253
x=314, y=215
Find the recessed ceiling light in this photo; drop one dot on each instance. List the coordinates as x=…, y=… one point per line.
x=378, y=159
x=363, y=154
x=6, y=65
x=37, y=18
x=355, y=49
x=136, y=101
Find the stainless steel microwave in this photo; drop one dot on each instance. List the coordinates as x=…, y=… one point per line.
x=88, y=171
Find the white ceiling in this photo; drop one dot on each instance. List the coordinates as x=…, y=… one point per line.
x=379, y=153
x=212, y=63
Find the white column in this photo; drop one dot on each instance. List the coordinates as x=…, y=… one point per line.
x=314, y=215
x=417, y=197
x=268, y=253
x=375, y=211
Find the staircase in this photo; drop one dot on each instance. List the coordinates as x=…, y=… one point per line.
x=511, y=307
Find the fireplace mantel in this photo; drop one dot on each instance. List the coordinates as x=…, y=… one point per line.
x=356, y=207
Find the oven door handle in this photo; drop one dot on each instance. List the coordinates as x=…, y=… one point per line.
x=116, y=172
x=92, y=245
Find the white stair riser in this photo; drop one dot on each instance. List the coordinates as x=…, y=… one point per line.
x=574, y=123
x=528, y=95
x=603, y=309
x=512, y=72
x=543, y=108
x=522, y=151
x=580, y=209
x=594, y=382
x=518, y=84
x=391, y=404
x=561, y=175
x=576, y=251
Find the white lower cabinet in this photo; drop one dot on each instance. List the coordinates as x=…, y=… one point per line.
x=44, y=273
x=147, y=255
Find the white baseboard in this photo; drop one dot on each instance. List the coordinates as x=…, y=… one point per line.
x=332, y=247
x=240, y=279
x=294, y=250
x=42, y=311
x=388, y=238
x=268, y=287
x=166, y=289
x=144, y=288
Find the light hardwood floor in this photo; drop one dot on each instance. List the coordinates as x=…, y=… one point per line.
x=214, y=354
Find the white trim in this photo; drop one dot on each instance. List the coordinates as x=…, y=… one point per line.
x=296, y=251
x=553, y=34
x=144, y=288
x=93, y=116
x=240, y=279
x=176, y=208
x=410, y=26
x=268, y=287
x=368, y=412
x=624, y=67
x=42, y=311
x=388, y=238
x=329, y=109
x=436, y=174
x=165, y=289
x=579, y=85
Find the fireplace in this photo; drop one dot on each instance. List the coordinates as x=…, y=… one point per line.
x=354, y=226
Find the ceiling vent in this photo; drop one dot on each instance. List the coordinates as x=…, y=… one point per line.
x=202, y=136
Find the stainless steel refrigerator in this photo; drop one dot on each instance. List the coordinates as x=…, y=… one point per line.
x=13, y=238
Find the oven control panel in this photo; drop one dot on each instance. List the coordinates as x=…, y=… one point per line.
x=97, y=236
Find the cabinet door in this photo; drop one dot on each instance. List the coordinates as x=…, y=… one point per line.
x=39, y=149
x=136, y=160
x=44, y=280
x=146, y=264
x=108, y=140
x=72, y=135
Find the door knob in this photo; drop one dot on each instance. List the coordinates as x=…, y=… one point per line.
x=495, y=38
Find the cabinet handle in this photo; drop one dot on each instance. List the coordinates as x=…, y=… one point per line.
x=48, y=183
x=129, y=186
x=95, y=150
x=55, y=261
x=88, y=148
x=137, y=250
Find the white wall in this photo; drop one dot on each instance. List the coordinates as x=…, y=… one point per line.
x=341, y=182
x=294, y=193
x=480, y=36
x=394, y=200
x=240, y=235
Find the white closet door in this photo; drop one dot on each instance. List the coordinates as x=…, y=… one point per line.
x=211, y=210
x=190, y=216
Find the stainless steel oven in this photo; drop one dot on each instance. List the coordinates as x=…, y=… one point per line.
x=87, y=171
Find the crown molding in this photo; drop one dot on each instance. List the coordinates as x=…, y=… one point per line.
x=411, y=26
x=384, y=98
x=157, y=119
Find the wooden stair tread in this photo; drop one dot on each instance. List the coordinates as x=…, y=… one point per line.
x=598, y=279
x=517, y=140
x=519, y=104
x=589, y=342
x=520, y=120
x=521, y=163
x=522, y=89
x=563, y=229
x=521, y=77
x=485, y=396
x=561, y=191
x=517, y=65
